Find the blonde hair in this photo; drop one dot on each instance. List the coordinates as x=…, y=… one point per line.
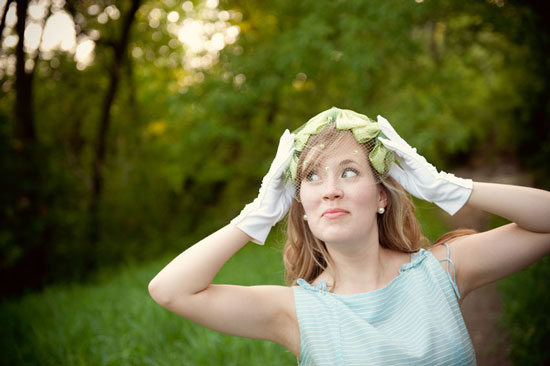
x=307, y=257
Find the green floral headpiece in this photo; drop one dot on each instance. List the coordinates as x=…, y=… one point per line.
x=363, y=128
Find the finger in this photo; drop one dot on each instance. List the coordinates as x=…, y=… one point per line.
x=398, y=174
x=282, y=159
x=286, y=138
x=396, y=146
x=396, y=169
x=286, y=144
x=405, y=154
x=290, y=190
x=387, y=128
x=389, y=131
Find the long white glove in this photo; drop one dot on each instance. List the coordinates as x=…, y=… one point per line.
x=274, y=197
x=420, y=178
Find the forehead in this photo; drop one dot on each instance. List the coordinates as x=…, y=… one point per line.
x=337, y=146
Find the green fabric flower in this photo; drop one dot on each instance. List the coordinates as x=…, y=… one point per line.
x=362, y=127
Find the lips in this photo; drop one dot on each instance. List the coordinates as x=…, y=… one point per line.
x=333, y=213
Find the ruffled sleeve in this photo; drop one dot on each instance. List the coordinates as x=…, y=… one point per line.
x=320, y=287
x=416, y=259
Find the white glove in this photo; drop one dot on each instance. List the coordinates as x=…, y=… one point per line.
x=274, y=197
x=421, y=178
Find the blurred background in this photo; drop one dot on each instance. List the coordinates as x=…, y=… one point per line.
x=129, y=129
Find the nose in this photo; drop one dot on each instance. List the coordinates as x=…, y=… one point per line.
x=332, y=191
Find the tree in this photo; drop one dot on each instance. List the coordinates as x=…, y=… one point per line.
x=119, y=50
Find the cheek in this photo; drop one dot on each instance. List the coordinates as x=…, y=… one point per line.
x=366, y=195
x=309, y=197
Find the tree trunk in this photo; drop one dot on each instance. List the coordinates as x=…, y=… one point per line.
x=119, y=49
x=24, y=120
x=3, y=20
x=30, y=228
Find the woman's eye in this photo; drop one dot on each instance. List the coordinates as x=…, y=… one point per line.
x=312, y=177
x=349, y=173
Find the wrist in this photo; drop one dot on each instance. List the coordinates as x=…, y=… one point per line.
x=254, y=225
x=454, y=192
x=244, y=234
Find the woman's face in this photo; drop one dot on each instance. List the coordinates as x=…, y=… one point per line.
x=339, y=194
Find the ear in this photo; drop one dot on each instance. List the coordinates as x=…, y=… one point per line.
x=382, y=197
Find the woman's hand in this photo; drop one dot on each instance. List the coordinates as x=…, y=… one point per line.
x=420, y=178
x=488, y=256
x=185, y=286
x=274, y=197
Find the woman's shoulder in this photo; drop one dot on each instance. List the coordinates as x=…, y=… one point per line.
x=439, y=251
x=446, y=254
x=279, y=298
x=285, y=292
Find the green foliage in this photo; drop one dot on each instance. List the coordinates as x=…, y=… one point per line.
x=113, y=321
x=431, y=219
x=188, y=146
x=525, y=303
x=525, y=313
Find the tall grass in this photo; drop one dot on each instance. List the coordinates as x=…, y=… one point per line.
x=113, y=320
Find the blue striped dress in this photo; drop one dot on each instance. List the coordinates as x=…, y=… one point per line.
x=414, y=320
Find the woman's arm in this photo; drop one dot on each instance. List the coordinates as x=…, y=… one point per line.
x=267, y=312
x=528, y=207
x=184, y=288
x=192, y=271
x=489, y=256
x=485, y=257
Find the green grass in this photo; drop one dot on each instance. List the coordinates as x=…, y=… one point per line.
x=113, y=321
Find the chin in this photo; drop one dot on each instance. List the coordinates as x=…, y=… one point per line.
x=335, y=237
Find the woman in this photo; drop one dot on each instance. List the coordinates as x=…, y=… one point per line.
x=364, y=289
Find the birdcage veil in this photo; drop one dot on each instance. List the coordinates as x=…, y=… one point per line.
x=336, y=129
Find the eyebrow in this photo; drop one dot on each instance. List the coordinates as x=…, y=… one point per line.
x=310, y=164
x=347, y=161
x=315, y=163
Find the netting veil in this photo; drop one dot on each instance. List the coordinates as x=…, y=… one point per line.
x=337, y=130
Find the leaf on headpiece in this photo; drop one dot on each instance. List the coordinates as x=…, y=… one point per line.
x=312, y=127
x=347, y=120
x=365, y=133
x=377, y=157
x=293, y=166
x=363, y=128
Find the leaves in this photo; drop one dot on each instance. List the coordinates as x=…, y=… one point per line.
x=195, y=129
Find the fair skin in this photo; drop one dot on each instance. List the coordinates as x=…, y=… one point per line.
x=341, y=207
x=348, y=226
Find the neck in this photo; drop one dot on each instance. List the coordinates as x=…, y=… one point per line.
x=359, y=267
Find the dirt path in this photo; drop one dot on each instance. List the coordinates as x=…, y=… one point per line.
x=481, y=310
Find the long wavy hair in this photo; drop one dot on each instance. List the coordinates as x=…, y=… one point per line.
x=306, y=257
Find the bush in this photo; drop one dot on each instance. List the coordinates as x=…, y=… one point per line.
x=526, y=302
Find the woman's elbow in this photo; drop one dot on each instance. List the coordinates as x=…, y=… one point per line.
x=171, y=299
x=159, y=293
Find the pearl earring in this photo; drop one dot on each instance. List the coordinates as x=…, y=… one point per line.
x=381, y=210
x=305, y=217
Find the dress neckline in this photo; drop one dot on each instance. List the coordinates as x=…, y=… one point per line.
x=321, y=287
